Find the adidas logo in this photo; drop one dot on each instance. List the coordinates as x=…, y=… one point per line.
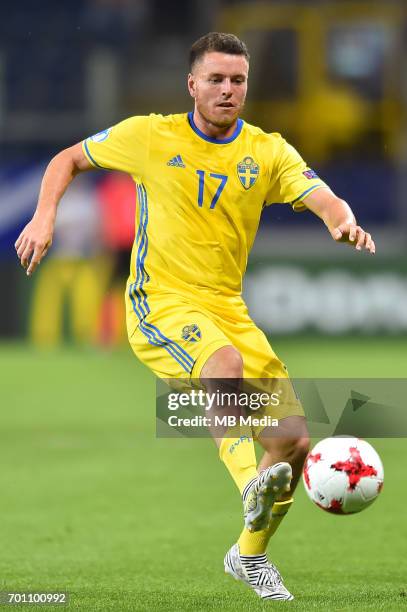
x=176, y=162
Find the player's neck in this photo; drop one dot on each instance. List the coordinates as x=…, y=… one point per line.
x=211, y=130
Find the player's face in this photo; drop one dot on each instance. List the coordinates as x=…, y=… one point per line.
x=218, y=84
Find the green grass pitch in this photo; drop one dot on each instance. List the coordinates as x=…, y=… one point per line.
x=92, y=503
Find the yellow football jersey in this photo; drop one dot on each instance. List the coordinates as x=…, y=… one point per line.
x=199, y=199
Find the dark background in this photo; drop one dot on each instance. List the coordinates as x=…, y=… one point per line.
x=330, y=76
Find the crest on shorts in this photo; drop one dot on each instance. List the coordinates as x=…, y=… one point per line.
x=248, y=171
x=191, y=333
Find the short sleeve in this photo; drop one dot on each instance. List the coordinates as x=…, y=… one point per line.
x=123, y=147
x=291, y=179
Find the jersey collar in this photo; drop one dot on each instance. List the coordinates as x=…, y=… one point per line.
x=218, y=141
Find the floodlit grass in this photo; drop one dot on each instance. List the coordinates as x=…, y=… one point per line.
x=92, y=503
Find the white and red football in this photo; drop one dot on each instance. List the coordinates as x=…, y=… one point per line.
x=343, y=475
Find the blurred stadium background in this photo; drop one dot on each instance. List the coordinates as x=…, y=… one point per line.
x=77, y=418
x=330, y=76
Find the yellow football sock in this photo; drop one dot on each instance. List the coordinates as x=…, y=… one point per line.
x=256, y=543
x=239, y=456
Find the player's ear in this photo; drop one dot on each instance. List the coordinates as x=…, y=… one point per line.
x=191, y=85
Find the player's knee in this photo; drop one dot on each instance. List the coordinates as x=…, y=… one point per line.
x=233, y=364
x=226, y=362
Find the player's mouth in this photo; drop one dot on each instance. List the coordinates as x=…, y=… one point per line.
x=226, y=105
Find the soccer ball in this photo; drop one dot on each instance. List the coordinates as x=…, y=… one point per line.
x=343, y=475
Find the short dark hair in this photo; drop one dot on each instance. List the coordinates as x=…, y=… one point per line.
x=217, y=41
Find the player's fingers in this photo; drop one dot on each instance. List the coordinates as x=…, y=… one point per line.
x=352, y=232
x=361, y=237
x=21, y=248
x=370, y=245
x=19, y=241
x=368, y=241
x=26, y=254
x=38, y=254
x=343, y=228
x=336, y=233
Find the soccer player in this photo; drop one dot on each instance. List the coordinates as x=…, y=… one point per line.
x=202, y=180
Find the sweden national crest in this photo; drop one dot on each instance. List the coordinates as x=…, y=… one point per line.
x=247, y=171
x=191, y=333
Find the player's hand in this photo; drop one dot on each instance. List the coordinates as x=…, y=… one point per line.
x=354, y=235
x=34, y=242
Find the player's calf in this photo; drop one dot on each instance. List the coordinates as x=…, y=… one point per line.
x=291, y=444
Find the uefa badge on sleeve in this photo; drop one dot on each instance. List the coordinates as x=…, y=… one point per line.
x=310, y=174
x=248, y=171
x=100, y=136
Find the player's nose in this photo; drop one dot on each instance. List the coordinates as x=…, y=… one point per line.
x=226, y=87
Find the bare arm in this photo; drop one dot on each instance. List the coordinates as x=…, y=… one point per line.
x=36, y=238
x=339, y=219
